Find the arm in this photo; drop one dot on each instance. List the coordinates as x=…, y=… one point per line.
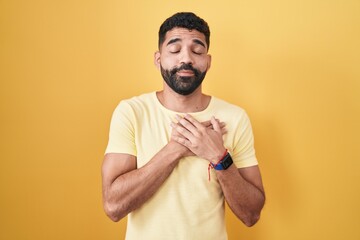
x=126, y=188
x=242, y=188
x=243, y=191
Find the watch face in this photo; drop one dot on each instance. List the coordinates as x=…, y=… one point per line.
x=226, y=163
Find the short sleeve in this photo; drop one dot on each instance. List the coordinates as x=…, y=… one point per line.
x=243, y=153
x=122, y=131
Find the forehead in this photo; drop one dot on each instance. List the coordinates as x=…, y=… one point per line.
x=184, y=34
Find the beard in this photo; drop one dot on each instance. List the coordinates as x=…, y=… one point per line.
x=183, y=85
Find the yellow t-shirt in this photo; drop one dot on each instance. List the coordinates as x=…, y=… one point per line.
x=187, y=206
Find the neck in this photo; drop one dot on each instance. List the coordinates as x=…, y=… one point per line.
x=194, y=102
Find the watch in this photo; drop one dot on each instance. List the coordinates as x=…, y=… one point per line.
x=224, y=164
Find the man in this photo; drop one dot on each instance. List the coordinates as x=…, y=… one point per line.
x=169, y=162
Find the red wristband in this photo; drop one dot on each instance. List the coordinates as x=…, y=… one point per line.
x=211, y=165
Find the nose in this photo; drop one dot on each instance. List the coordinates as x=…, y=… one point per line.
x=186, y=57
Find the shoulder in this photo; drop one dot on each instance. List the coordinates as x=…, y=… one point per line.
x=134, y=107
x=142, y=101
x=224, y=106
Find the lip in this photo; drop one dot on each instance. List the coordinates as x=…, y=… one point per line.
x=185, y=73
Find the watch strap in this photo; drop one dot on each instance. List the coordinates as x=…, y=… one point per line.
x=224, y=164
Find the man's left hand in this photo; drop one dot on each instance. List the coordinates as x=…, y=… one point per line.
x=203, y=141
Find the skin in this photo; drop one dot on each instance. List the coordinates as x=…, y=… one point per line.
x=126, y=187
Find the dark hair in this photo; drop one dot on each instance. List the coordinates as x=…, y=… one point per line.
x=186, y=20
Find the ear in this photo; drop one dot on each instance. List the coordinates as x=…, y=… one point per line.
x=157, y=59
x=209, y=61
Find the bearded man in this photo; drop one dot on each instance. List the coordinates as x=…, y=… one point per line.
x=176, y=155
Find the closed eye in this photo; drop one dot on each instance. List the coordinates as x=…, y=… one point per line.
x=197, y=52
x=174, y=48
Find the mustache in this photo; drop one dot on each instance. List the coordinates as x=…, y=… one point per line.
x=185, y=67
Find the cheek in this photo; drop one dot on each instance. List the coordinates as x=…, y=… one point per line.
x=204, y=66
x=202, y=63
x=167, y=62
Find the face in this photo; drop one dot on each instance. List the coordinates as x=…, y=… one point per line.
x=183, y=60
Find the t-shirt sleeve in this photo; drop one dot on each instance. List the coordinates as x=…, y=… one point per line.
x=243, y=153
x=122, y=131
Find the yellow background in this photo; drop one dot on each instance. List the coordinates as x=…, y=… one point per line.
x=293, y=65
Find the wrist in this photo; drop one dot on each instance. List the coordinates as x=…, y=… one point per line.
x=224, y=163
x=220, y=155
x=176, y=150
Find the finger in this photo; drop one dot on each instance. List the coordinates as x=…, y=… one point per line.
x=215, y=124
x=187, y=124
x=207, y=124
x=183, y=141
x=222, y=124
x=174, y=132
x=224, y=131
x=223, y=127
x=181, y=130
x=193, y=121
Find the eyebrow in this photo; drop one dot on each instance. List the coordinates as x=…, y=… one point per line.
x=173, y=41
x=197, y=41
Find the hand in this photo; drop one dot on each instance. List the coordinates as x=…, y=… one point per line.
x=208, y=124
x=205, y=142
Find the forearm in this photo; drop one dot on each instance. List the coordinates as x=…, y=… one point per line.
x=243, y=191
x=132, y=189
x=245, y=199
